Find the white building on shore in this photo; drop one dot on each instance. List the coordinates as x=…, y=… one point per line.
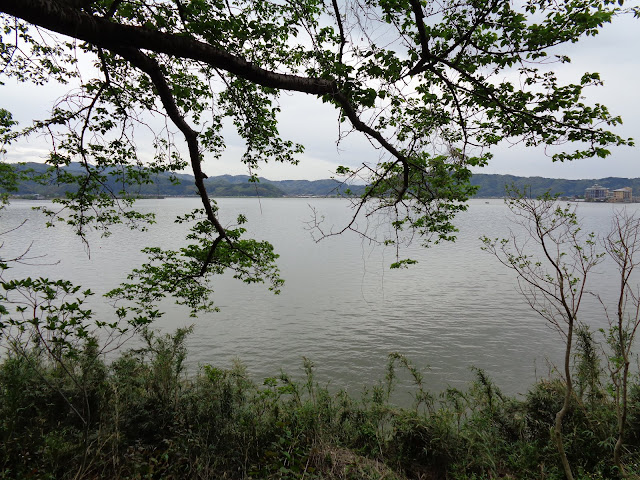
x=596, y=193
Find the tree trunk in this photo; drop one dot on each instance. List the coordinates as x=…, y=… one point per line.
x=557, y=430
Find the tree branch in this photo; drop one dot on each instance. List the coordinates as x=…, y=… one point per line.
x=343, y=40
x=153, y=70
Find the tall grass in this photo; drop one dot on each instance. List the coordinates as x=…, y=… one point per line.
x=141, y=417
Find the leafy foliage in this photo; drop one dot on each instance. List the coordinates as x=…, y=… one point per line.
x=141, y=416
x=432, y=85
x=185, y=273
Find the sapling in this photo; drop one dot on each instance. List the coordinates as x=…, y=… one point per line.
x=552, y=258
x=622, y=245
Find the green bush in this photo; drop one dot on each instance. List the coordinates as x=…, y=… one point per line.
x=142, y=417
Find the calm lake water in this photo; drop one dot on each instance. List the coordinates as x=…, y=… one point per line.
x=341, y=306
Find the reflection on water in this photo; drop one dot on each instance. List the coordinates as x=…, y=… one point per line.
x=341, y=306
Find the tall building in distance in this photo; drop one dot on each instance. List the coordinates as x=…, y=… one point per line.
x=596, y=193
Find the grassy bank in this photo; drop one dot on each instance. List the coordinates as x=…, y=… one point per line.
x=139, y=417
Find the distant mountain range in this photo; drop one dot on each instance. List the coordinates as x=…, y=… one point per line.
x=494, y=185
x=490, y=185
x=219, y=186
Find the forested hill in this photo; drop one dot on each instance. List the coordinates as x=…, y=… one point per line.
x=490, y=185
x=494, y=185
x=219, y=186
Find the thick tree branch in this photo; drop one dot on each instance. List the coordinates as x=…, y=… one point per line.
x=343, y=40
x=418, y=15
x=153, y=70
x=60, y=18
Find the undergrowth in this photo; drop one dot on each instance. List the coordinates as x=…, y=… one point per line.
x=141, y=417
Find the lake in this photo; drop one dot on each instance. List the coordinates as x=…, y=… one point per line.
x=341, y=306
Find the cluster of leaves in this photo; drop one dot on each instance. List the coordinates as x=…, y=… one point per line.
x=186, y=273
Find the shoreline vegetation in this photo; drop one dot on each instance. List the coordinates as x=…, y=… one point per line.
x=141, y=417
x=489, y=186
x=431, y=87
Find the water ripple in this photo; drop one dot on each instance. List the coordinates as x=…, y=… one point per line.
x=341, y=306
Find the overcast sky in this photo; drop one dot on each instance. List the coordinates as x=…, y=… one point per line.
x=615, y=54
